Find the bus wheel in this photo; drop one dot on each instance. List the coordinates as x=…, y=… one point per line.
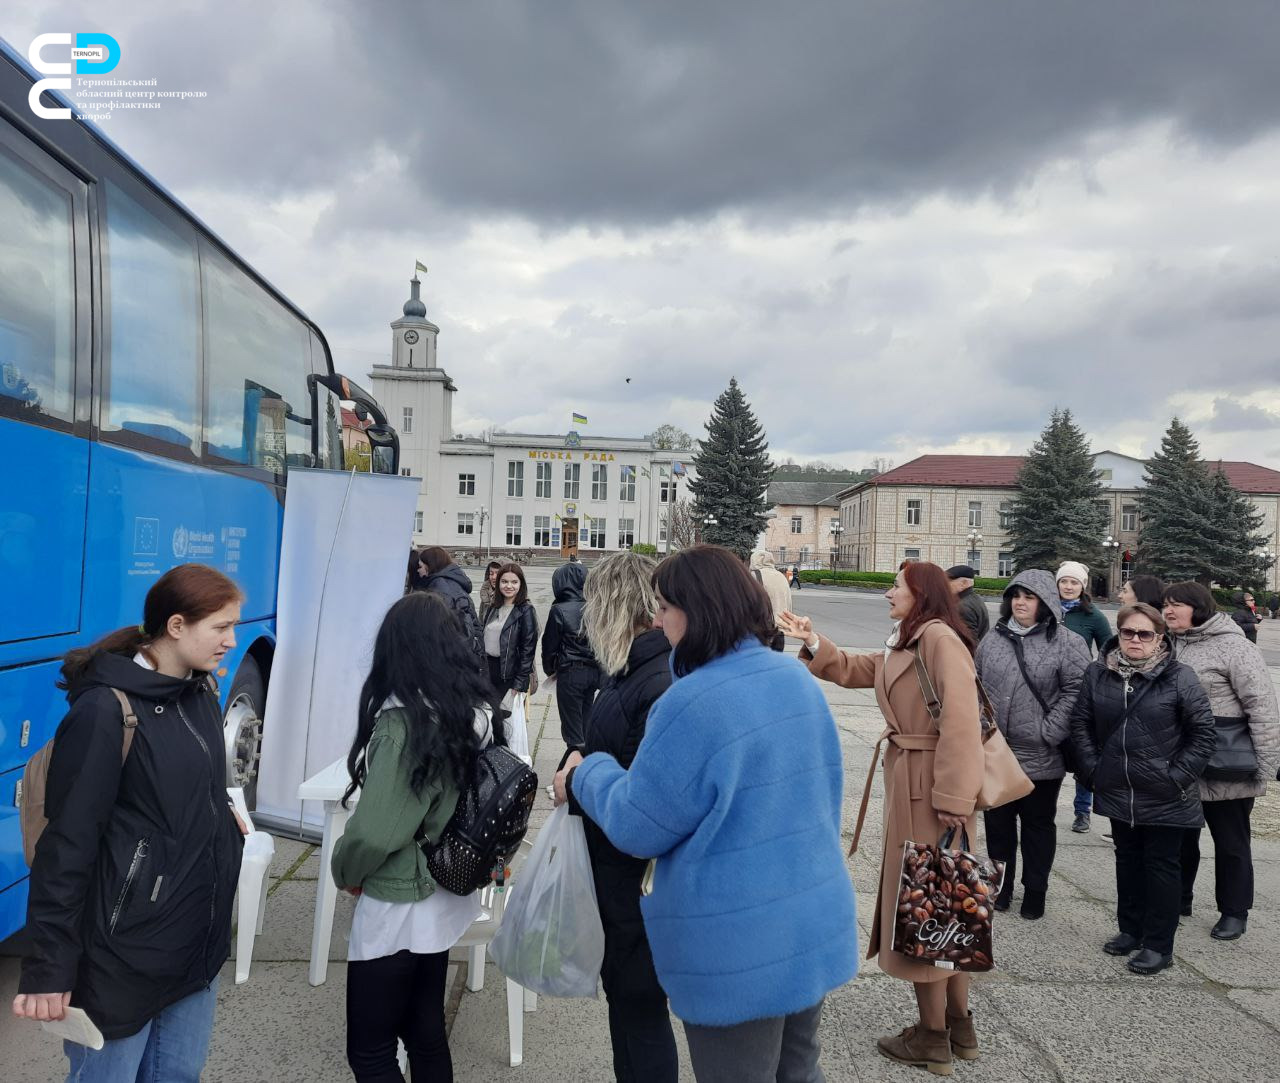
x=242, y=730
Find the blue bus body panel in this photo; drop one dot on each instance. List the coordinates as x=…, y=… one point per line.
x=42, y=521
x=13, y=869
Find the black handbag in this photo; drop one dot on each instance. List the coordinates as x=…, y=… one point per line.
x=1234, y=758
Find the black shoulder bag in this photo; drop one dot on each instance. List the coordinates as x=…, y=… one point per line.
x=1067, y=749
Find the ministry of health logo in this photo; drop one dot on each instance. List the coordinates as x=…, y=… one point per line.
x=180, y=542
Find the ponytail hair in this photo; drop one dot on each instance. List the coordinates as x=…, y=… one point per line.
x=191, y=591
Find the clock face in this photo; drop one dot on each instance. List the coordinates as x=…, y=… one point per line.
x=411, y=337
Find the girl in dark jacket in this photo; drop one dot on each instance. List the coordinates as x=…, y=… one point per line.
x=445, y=578
x=510, y=633
x=132, y=882
x=618, y=616
x=1143, y=732
x=567, y=654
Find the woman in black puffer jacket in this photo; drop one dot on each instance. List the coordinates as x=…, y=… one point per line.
x=618, y=614
x=1143, y=732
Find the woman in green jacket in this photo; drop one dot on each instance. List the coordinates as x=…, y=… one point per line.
x=421, y=723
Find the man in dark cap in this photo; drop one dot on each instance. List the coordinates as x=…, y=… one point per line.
x=972, y=608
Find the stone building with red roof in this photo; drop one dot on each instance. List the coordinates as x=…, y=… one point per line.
x=955, y=509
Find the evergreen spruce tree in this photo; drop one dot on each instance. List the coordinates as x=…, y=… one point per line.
x=733, y=474
x=1238, y=538
x=1180, y=527
x=1060, y=510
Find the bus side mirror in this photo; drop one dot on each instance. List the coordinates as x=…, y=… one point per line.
x=385, y=442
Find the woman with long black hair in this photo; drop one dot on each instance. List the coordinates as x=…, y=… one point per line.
x=421, y=723
x=510, y=633
x=132, y=881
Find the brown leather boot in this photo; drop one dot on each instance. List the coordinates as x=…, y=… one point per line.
x=920, y=1048
x=964, y=1039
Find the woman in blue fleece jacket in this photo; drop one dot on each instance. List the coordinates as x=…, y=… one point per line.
x=736, y=791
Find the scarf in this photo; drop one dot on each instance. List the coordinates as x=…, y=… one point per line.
x=1068, y=606
x=1126, y=667
x=892, y=640
x=1017, y=629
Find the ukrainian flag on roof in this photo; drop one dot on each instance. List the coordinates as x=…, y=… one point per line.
x=579, y=419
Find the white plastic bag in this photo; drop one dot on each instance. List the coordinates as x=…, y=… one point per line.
x=551, y=940
x=518, y=729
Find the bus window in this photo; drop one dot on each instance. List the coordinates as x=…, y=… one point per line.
x=151, y=347
x=257, y=404
x=330, y=412
x=37, y=295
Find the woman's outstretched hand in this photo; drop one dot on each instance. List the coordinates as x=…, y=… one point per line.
x=795, y=626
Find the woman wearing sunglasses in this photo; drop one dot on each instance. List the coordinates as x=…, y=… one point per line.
x=1143, y=732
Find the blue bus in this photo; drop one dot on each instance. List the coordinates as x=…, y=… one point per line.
x=155, y=392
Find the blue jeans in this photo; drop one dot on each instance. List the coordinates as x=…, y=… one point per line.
x=171, y=1048
x=1084, y=800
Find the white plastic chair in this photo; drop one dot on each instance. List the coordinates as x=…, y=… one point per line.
x=259, y=849
x=476, y=939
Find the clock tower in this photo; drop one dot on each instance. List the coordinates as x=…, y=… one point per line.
x=413, y=336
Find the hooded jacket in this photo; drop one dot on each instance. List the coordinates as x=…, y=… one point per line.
x=774, y=582
x=133, y=878
x=564, y=642
x=1141, y=744
x=617, y=724
x=1055, y=661
x=1235, y=676
x=454, y=586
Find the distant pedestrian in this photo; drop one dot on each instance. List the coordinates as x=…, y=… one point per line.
x=134, y=876
x=567, y=655
x=795, y=577
x=932, y=777
x=635, y=657
x=1143, y=731
x=420, y=724
x=1235, y=676
x=775, y=586
x=1275, y=605
x=735, y=791
x=511, y=635
x=1031, y=667
x=489, y=588
x=1147, y=589
x=416, y=576
x=973, y=610
x=1092, y=626
x=1246, y=614
x=445, y=578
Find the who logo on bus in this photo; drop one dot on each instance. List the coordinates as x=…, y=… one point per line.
x=94, y=54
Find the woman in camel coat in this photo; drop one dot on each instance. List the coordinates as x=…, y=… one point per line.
x=933, y=773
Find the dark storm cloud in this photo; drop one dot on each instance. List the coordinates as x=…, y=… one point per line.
x=1230, y=415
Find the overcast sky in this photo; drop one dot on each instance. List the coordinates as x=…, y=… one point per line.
x=905, y=227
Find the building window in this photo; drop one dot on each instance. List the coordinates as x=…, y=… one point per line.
x=804, y=555
x=466, y=522
x=1129, y=517
x=662, y=530
x=911, y=554
x=975, y=560
x=572, y=480
x=627, y=484
x=542, y=530
x=913, y=513
x=797, y=524
x=407, y=427
x=1104, y=475
x=1004, y=564
x=417, y=522
x=782, y=554
x=466, y=485
x=626, y=533
x=1104, y=508
x=663, y=492
x=1126, y=570
x=597, y=533
x=543, y=490
x=515, y=479
x=1006, y=515
x=975, y=513
x=513, y=530
x=599, y=482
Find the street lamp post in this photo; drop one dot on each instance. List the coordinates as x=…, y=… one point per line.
x=708, y=520
x=484, y=514
x=975, y=546
x=1110, y=549
x=836, y=531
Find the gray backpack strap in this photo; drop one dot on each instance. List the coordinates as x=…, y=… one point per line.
x=130, y=722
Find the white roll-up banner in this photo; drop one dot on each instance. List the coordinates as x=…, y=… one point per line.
x=342, y=565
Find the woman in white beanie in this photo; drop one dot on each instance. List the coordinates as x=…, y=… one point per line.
x=1079, y=615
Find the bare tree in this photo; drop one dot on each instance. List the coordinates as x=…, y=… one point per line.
x=683, y=524
x=881, y=464
x=669, y=438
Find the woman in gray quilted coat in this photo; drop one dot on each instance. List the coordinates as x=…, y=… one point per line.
x=1031, y=667
x=1235, y=675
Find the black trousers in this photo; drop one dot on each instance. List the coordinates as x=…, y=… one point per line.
x=576, y=688
x=644, y=1045
x=398, y=996
x=1148, y=863
x=1036, y=812
x=1228, y=823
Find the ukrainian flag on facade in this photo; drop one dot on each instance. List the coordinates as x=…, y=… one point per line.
x=579, y=419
